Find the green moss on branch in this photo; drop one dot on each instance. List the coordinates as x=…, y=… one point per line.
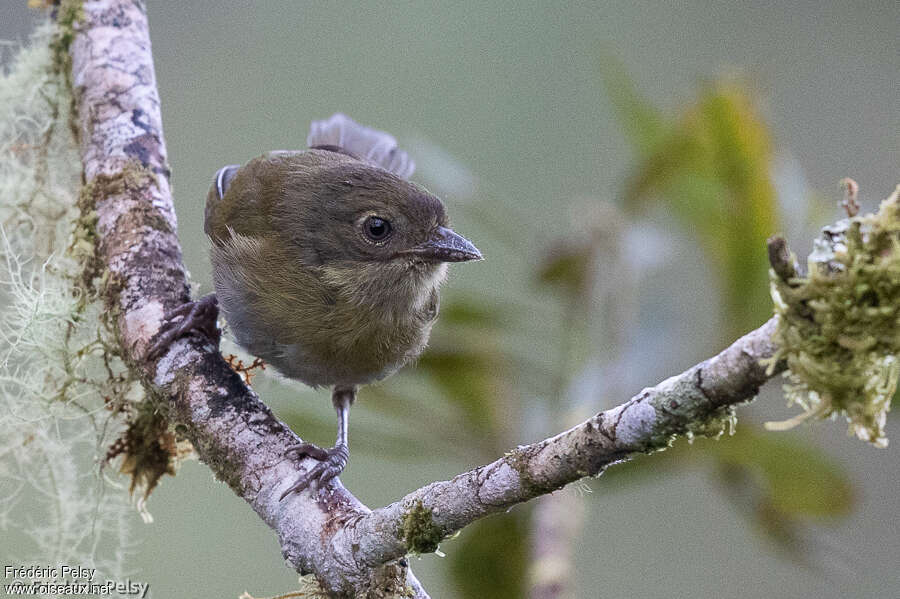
x=839, y=326
x=418, y=529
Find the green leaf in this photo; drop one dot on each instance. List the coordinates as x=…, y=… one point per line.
x=471, y=378
x=644, y=125
x=466, y=361
x=489, y=560
x=781, y=529
x=430, y=426
x=711, y=168
x=469, y=312
x=568, y=268
x=796, y=480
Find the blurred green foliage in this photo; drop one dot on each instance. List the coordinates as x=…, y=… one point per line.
x=778, y=484
x=711, y=168
x=470, y=368
x=568, y=269
x=490, y=559
x=796, y=479
x=467, y=363
x=466, y=376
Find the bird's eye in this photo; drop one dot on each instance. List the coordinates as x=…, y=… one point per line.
x=376, y=228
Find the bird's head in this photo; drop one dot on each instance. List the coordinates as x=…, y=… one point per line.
x=359, y=213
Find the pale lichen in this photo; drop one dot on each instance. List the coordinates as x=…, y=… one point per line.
x=722, y=421
x=60, y=376
x=682, y=409
x=68, y=401
x=839, y=326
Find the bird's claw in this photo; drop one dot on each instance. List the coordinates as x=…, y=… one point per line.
x=199, y=316
x=331, y=463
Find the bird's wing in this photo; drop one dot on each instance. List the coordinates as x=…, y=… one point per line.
x=240, y=197
x=341, y=133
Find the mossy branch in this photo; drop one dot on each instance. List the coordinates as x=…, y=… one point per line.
x=839, y=327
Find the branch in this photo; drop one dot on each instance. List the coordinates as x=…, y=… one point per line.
x=349, y=548
x=647, y=422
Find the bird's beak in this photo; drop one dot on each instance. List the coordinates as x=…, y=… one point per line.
x=445, y=245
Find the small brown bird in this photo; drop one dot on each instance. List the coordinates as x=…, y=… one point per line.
x=326, y=264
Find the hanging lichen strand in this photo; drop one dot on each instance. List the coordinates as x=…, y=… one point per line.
x=60, y=383
x=839, y=325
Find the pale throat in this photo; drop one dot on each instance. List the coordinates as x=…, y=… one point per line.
x=393, y=287
x=412, y=285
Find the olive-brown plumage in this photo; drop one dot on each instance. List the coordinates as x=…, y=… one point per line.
x=327, y=264
x=301, y=283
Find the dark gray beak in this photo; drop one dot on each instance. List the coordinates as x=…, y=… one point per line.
x=445, y=245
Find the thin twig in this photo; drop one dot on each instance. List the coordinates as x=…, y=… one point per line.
x=851, y=192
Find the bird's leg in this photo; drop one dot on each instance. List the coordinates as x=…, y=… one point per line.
x=199, y=316
x=331, y=461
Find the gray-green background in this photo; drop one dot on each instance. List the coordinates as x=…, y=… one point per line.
x=511, y=91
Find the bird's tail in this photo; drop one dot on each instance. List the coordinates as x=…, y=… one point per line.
x=375, y=146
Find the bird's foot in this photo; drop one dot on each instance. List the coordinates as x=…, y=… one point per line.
x=199, y=317
x=331, y=463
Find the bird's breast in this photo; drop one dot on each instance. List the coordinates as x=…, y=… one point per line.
x=359, y=324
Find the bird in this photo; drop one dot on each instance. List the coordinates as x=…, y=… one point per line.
x=327, y=264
